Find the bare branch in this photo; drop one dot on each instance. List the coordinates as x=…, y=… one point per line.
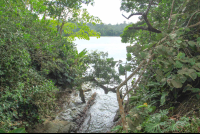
x=139, y=76
x=144, y=15
x=149, y=6
x=191, y=18
x=146, y=28
x=171, y=14
x=106, y=90
x=198, y=23
x=131, y=15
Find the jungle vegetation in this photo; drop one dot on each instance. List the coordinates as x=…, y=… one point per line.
x=38, y=61
x=164, y=53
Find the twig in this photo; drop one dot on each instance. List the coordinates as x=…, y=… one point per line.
x=139, y=77
x=171, y=14
x=198, y=23
x=191, y=19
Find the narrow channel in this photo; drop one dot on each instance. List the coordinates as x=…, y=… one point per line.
x=101, y=114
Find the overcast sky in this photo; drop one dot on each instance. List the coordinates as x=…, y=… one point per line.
x=109, y=11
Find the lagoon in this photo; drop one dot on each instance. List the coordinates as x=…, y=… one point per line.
x=112, y=45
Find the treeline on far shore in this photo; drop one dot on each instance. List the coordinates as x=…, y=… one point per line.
x=108, y=29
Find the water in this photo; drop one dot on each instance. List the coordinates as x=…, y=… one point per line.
x=101, y=114
x=112, y=45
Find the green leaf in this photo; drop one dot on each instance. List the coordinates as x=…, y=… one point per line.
x=195, y=90
x=127, y=67
x=121, y=70
x=198, y=74
x=130, y=49
x=182, y=79
x=187, y=29
x=18, y=130
x=134, y=98
x=152, y=109
x=69, y=80
x=162, y=99
x=198, y=40
x=176, y=83
x=179, y=41
x=172, y=36
x=192, y=73
x=198, y=96
x=2, y=131
x=141, y=106
x=181, y=55
x=192, y=43
x=128, y=56
x=178, y=64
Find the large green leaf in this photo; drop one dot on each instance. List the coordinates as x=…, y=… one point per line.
x=162, y=99
x=18, y=130
x=159, y=75
x=192, y=43
x=176, y=83
x=178, y=64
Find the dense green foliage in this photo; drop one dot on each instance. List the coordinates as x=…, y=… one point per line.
x=39, y=59
x=18, y=130
x=36, y=60
x=172, y=76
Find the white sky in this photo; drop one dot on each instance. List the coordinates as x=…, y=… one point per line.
x=109, y=12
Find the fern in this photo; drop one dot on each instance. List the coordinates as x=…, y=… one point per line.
x=156, y=122
x=160, y=123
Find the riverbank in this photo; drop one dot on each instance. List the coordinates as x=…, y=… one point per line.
x=69, y=117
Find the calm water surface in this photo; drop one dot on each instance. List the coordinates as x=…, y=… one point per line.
x=112, y=45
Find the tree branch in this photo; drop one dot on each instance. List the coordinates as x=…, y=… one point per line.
x=191, y=18
x=149, y=6
x=171, y=14
x=144, y=15
x=106, y=90
x=198, y=23
x=139, y=77
x=131, y=15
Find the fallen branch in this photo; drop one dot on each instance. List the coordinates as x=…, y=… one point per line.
x=106, y=89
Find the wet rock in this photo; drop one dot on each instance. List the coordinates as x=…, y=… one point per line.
x=54, y=126
x=117, y=116
x=57, y=126
x=75, y=114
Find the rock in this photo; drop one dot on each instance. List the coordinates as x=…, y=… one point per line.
x=57, y=126
x=54, y=126
x=117, y=116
